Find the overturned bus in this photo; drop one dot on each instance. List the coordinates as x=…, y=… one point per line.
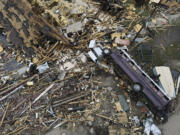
x=142, y=82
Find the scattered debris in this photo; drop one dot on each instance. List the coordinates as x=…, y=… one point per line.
x=136, y=119
x=122, y=41
x=150, y=127
x=123, y=102
x=43, y=67
x=44, y=92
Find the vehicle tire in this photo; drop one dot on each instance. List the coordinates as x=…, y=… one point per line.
x=137, y=87
x=106, y=51
x=161, y=119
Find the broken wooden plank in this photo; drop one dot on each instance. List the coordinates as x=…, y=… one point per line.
x=5, y=111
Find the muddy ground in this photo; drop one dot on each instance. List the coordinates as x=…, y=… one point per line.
x=173, y=125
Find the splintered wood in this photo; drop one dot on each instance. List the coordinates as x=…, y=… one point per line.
x=23, y=26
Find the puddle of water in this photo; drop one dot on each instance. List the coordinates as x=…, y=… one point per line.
x=165, y=50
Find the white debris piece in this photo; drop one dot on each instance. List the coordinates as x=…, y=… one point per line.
x=5, y=78
x=136, y=119
x=100, y=28
x=147, y=125
x=69, y=65
x=77, y=26
x=62, y=75
x=155, y=1
x=22, y=70
x=37, y=115
x=151, y=127
x=83, y=58
x=155, y=130
x=43, y=67
x=92, y=56
x=30, y=64
x=77, y=70
x=92, y=44
x=147, y=129
x=98, y=51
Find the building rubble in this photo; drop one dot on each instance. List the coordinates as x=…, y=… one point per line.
x=52, y=83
